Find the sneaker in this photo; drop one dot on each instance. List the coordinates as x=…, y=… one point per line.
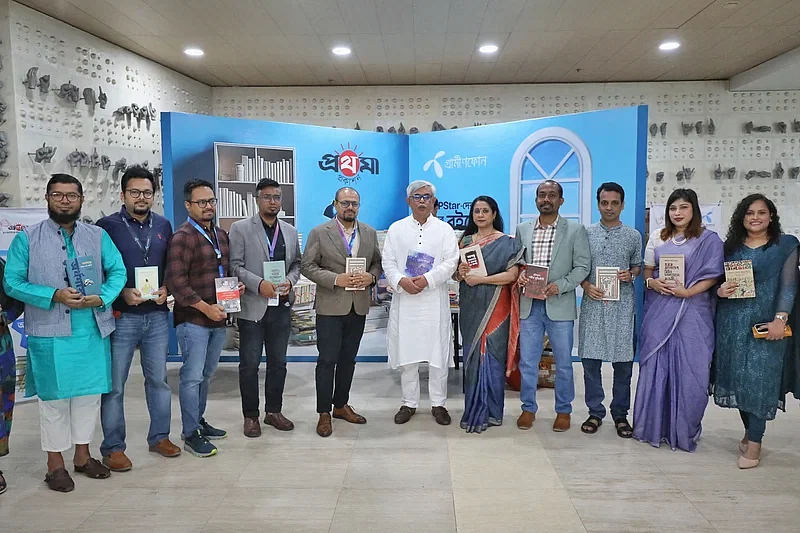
x=210, y=432
x=198, y=445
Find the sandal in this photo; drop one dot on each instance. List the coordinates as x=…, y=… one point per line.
x=624, y=429
x=93, y=469
x=59, y=481
x=3, y=484
x=591, y=425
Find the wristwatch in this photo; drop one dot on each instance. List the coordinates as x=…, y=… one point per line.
x=782, y=318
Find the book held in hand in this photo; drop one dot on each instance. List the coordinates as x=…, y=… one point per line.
x=472, y=256
x=608, y=282
x=275, y=273
x=741, y=273
x=671, y=267
x=355, y=265
x=228, y=294
x=82, y=275
x=537, y=282
x=147, y=282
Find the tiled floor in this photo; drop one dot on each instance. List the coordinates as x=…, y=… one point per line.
x=419, y=477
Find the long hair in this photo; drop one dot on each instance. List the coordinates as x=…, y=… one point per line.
x=472, y=228
x=695, y=227
x=737, y=232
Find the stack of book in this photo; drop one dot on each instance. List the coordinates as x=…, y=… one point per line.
x=304, y=323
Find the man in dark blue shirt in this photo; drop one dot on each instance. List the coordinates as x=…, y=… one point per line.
x=142, y=320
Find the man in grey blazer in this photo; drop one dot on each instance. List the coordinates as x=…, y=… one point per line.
x=265, y=321
x=562, y=246
x=341, y=313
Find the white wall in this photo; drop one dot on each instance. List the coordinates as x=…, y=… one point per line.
x=668, y=102
x=68, y=54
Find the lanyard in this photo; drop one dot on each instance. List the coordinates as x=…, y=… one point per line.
x=348, y=245
x=274, y=243
x=146, y=248
x=216, y=249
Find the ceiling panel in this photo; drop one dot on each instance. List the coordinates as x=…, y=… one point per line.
x=399, y=47
x=466, y=16
x=782, y=15
x=378, y=74
x=427, y=73
x=360, y=16
x=324, y=16
x=289, y=16
x=574, y=14
x=369, y=48
x=395, y=16
x=429, y=48
x=753, y=11
x=459, y=47
x=538, y=15
x=502, y=15
x=430, y=16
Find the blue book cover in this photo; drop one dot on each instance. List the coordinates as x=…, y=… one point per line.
x=82, y=275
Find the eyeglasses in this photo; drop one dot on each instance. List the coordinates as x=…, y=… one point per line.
x=423, y=197
x=70, y=196
x=348, y=203
x=271, y=197
x=202, y=204
x=135, y=193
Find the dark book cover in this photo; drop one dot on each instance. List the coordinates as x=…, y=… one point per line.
x=82, y=275
x=537, y=281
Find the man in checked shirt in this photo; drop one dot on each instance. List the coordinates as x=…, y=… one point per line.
x=562, y=246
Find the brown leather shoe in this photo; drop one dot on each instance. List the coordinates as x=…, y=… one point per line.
x=278, y=421
x=324, y=427
x=562, y=422
x=117, y=462
x=59, y=481
x=441, y=415
x=93, y=469
x=404, y=414
x=346, y=413
x=252, y=428
x=525, y=420
x=165, y=448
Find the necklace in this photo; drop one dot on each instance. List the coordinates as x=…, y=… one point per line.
x=678, y=243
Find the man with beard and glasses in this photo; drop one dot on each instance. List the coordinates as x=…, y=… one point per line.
x=342, y=303
x=69, y=345
x=266, y=319
x=142, y=320
x=198, y=254
x=562, y=246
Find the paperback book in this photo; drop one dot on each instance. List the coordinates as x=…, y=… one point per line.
x=741, y=273
x=472, y=256
x=147, y=282
x=537, y=282
x=82, y=275
x=275, y=273
x=355, y=265
x=228, y=294
x=608, y=282
x=671, y=267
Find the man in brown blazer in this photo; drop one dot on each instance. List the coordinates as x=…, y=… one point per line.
x=341, y=313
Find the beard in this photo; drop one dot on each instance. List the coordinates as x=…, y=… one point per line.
x=140, y=210
x=63, y=218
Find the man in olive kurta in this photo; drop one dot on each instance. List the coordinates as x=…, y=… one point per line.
x=68, y=328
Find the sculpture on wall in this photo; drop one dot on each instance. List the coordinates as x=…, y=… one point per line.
x=4, y=198
x=413, y=130
x=437, y=126
x=358, y=126
x=711, y=126
x=653, y=129
x=74, y=158
x=718, y=172
x=402, y=129
x=763, y=129
x=686, y=128
x=698, y=127
x=44, y=154
x=663, y=129
x=94, y=161
x=391, y=130
x=684, y=174
x=379, y=129
x=31, y=79
x=44, y=85
x=750, y=175
x=794, y=172
x=102, y=98
x=89, y=97
x=124, y=111
x=779, y=171
x=119, y=166
x=70, y=92
x=151, y=110
x=796, y=126
x=105, y=162
x=748, y=127
x=158, y=171
x=659, y=177
x=781, y=127
x=731, y=172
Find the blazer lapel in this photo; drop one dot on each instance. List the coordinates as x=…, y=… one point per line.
x=561, y=229
x=336, y=237
x=261, y=235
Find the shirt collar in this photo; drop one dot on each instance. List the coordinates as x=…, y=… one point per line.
x=542, y=226
x=614, y=228
x=355, y=226
x=130, y=218
x=267, y=226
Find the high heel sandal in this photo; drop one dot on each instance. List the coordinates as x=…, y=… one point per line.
x=746, y=464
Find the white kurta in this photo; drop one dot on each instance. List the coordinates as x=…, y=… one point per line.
x=419, y=327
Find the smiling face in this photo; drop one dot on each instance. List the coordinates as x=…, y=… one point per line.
x=610, y=206
x=548, y=198
x=757, y=218
x=680, y=213
x=64, y=202
x=138, y=196
x=483, y=215
x=203, y=205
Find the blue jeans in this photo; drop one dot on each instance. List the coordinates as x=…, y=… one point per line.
x=531, y=339
x=621, y=390
x=200, y=351
x=150, y=332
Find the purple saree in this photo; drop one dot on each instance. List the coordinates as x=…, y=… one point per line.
x=675, y=349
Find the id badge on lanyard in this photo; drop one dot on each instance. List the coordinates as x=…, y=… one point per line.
x=275, y=300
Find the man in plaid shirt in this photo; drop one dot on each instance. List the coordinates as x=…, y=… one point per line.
x=562, y=246
x=198, y=254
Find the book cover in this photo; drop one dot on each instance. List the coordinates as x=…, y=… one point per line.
x=671, y=267
x=537, y=281
x=608, y=282
x=82, y=275
x=473, y=256
x=228, y=294
x=355, y=265
x=147, y=281
x=275, y=273
x=741, y=273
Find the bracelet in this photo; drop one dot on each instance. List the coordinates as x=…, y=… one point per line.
x=647, y=282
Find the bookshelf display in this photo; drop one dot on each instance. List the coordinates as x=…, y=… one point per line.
x=237, y=170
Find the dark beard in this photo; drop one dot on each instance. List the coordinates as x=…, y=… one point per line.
x=65, y=218
x=140, y=211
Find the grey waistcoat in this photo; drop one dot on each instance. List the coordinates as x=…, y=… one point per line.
x=47, y=266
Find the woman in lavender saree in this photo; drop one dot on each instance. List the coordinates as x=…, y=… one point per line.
x=489, y=320
x=677, y=334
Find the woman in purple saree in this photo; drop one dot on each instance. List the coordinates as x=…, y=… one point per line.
x=677, y=334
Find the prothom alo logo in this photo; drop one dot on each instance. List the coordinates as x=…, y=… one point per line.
x=349, y=164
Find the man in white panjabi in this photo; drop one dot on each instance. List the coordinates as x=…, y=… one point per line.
x=419, y=256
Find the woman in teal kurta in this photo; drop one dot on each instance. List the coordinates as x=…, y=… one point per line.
x=747, y=372
x=66, y=367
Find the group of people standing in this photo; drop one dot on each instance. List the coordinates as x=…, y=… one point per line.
x=81, y=343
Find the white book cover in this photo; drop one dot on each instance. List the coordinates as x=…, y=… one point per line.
x=355, y=265
x=608, y=282
x=147, y=281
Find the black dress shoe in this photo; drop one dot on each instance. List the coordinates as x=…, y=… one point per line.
x=404, y=414
x=441, y=415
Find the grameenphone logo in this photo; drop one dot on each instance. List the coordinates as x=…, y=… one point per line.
x=437, y=167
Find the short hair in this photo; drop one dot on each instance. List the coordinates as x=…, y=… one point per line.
x=611, y=186
x=64, y=178
x=420, y=184
x=138, y=172
x=551, y=182
x=193, y=184
x=267, y=182
x=340, y=189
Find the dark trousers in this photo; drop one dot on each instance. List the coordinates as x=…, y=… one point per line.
x=338, y=339
x=621, y=390
x=754, y=426
x=271, y=333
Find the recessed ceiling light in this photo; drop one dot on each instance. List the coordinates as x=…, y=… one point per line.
x=669, y=45
x=488, y=49
x=341, y=51
x=194, y=52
